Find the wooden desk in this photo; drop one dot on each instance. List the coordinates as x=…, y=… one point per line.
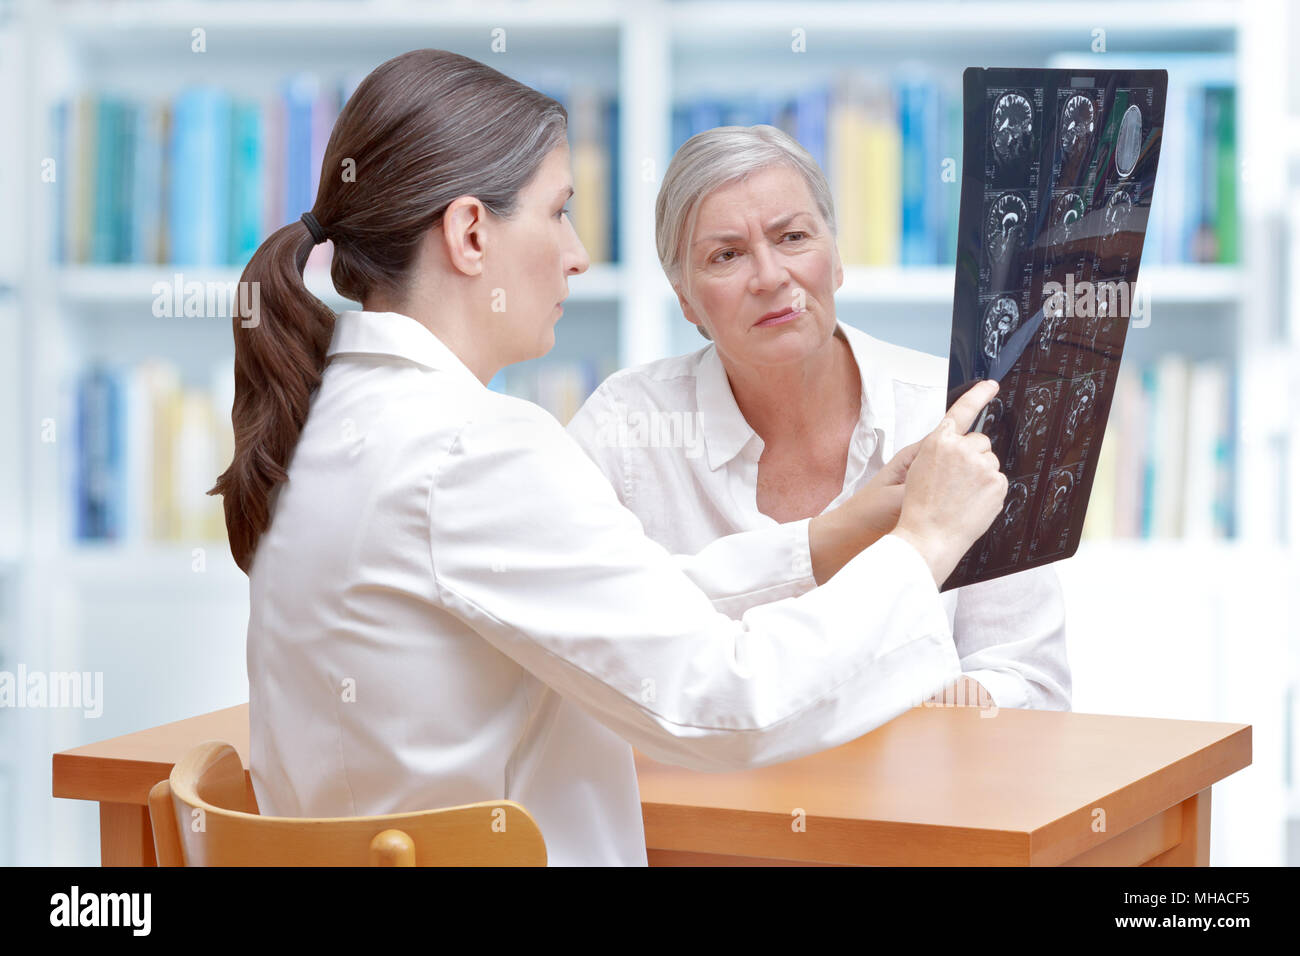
x=937, y=786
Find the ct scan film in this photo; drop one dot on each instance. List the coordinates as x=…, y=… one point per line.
x=1059, y=167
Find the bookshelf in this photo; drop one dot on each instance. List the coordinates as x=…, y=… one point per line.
x=652, y=56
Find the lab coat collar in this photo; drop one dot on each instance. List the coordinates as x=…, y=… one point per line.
x=392, y=333
x=726, y=431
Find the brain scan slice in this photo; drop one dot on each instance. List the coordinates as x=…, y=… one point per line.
x=1013, y=126
x=1014, y=507
x=1081, y=405
x=1118, y=208
x=1128, y=144
x=1038, y=406
x=992, y=418
x=1053, y=319
x=1078, y=117
x=1058, y=497
x=1007, y=220
x=1067, y=215
x=1000, y=318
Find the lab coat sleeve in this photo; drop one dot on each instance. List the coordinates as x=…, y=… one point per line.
x=1010, y=634
x=736, y=571
x=530, y=547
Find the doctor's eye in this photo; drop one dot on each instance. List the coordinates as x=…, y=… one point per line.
x=562, y=213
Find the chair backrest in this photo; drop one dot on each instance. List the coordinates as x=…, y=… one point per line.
x=205, y=814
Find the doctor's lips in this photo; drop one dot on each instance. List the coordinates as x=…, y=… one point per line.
x=780, y=316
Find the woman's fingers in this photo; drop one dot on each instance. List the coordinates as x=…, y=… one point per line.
x=962, y=414
x=981, y=441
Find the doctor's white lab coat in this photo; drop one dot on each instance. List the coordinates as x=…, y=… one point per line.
x=451, y=606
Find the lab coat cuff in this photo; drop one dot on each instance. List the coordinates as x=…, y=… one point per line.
x=909, y=570
x=800, y=553
x=1007, y=690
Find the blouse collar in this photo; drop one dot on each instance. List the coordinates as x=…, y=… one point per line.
x=726, y=432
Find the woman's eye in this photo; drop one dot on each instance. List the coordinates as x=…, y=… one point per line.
x=725, y=252
x=801, y=235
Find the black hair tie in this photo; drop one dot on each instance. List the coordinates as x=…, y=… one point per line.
x=317, y=233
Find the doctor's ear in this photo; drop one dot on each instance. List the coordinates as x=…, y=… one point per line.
x=463, y=228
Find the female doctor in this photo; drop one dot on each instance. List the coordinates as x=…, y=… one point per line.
x=448, y=604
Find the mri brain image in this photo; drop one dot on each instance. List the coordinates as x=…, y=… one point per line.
x=1067, y=213
x=1013, y=124
x=1000, y=318
x=1118, y=208
x=1008, y=217
x=1038, y=407
x=1053, y=319
x=1014, y=507
x=1078, y=118
x=1058, y=497
x=1128, y=145
x=1081, y=403
x=991, y=420
x=996, y=423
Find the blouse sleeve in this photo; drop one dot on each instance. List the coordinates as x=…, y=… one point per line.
x=531, y=548
x=735, y=571
x=1010, y=634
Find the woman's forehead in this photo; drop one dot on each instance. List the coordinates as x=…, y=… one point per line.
x=775, y=202
x=777, y=183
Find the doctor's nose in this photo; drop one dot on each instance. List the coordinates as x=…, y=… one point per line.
x=576, y=259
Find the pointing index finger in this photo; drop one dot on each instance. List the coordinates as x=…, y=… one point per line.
x=963, y=411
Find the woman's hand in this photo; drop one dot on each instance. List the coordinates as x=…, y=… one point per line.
x=873, y=510
x=955, y=486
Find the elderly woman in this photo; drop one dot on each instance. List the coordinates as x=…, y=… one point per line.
x=789, y=413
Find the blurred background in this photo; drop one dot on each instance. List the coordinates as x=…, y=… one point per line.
x=150, y=147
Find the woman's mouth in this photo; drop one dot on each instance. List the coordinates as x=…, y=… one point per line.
x=780, y=318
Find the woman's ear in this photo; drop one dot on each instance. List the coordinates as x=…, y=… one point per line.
x=463, y=228
x=689, y=311
x=839, y=266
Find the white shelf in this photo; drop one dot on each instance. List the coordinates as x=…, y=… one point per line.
x=712, y=23
x=132, y=284
x=125, y=285
x=90, y=20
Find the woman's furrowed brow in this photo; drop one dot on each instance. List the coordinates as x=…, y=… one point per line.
x=780, y=222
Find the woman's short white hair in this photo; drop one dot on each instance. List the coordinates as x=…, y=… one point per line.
x=715, y=158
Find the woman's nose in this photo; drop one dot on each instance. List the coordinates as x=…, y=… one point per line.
x=769, y=272
x=576, y=259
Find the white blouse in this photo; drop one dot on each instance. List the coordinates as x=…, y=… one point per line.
x=674, y=444
x=450, y=605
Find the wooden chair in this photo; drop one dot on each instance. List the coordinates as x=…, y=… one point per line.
x=205, y=814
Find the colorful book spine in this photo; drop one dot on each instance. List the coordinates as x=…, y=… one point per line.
x=147, y=451
x=1165, y=467
x=246, y=193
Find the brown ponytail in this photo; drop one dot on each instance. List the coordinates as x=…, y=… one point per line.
x=422, y=129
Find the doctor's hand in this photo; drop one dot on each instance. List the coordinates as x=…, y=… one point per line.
x=868, y=515
x=879, y=503
x=954, y=487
